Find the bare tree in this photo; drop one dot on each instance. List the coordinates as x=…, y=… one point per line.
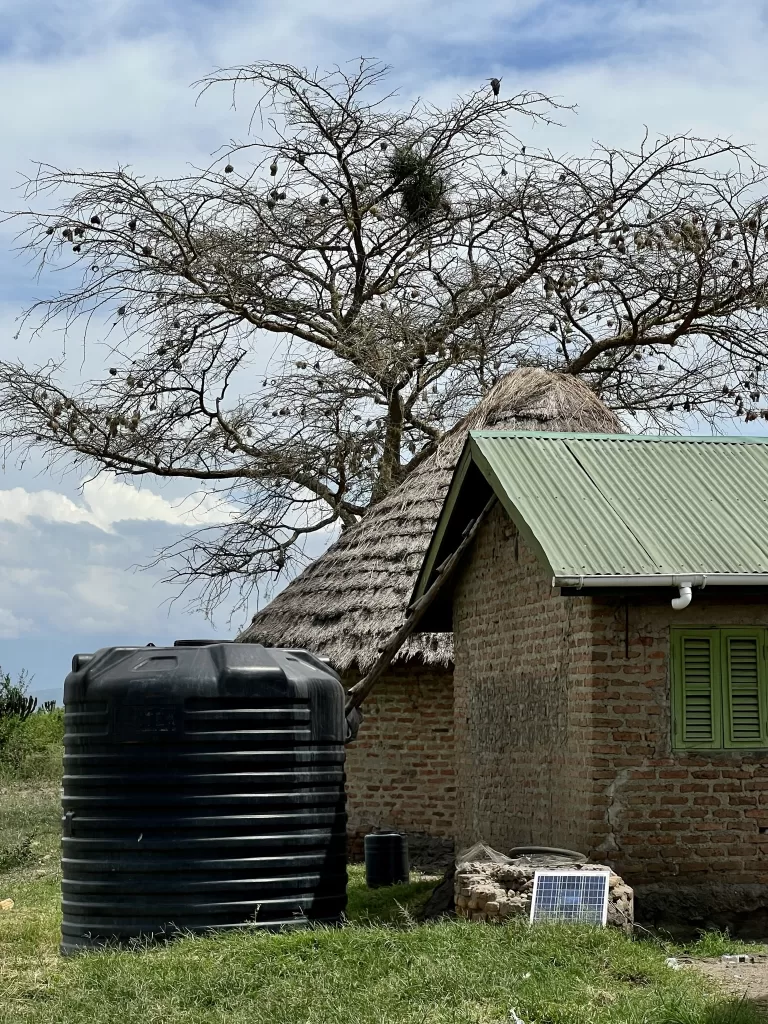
x=403, y=260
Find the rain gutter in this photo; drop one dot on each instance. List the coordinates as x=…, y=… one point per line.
x=683, y=581
x=714, y=579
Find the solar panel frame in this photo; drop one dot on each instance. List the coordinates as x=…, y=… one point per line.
x=551, y=890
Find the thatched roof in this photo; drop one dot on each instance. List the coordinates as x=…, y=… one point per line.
x=348, y=602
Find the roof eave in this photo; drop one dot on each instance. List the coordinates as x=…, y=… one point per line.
x=694, y=579
x=426, y=572
x=472, y=455
x=526, y=532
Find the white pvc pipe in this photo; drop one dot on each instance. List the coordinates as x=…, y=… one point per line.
x=686, y=593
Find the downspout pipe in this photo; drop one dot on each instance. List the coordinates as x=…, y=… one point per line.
x=684, y=598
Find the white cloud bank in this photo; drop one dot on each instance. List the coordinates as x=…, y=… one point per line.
x=107, y=501
x=58, y=579
x=11, y=626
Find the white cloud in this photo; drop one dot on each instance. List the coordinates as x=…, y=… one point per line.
x=11, y=626
x=106, y=598
x=59, y=580
x=105, y=502
x=112, y=83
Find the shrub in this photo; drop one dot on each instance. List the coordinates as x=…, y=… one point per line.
x=14, y=700
x=30, y=740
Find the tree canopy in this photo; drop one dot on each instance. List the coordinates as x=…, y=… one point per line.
x=297, y=325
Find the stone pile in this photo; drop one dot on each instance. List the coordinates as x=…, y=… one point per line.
x=492, y=891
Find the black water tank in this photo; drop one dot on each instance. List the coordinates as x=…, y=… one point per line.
x=203, y=789
x=386, y=859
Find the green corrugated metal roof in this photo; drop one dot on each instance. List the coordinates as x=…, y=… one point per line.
x=624, y=505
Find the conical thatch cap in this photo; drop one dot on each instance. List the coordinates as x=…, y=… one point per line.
x=348, y=602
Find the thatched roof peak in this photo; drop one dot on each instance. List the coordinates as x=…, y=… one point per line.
x=349, y=601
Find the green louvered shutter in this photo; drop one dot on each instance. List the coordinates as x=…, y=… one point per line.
x=696, y=689
x=744, y=710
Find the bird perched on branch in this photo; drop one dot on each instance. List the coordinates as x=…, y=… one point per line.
x=495, y=85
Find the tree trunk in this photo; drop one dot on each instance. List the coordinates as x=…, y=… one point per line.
x=389, y=463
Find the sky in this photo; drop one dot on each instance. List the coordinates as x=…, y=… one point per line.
x=97, y=84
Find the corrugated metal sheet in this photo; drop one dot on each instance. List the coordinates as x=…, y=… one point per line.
x=628, y=505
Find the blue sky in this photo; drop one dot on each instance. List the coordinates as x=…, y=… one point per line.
x=97, y=84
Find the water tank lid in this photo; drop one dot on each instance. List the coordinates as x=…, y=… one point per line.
x=198, y=643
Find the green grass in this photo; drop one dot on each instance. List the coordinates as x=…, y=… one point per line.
x=32, y=749
x=381, y=968
x=30, y=827
x=395, y=905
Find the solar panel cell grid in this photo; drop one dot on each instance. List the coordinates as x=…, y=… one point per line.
x=570, y=897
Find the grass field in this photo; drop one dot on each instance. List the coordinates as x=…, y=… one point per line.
x=382, y=968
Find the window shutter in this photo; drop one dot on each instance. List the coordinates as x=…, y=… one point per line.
x=697, y=703
x=744, y=696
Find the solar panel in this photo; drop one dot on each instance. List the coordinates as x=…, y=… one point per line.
x=570, y=897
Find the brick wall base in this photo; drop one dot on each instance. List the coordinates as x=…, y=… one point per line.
x=686, y=910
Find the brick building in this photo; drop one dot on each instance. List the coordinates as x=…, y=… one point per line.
x=346, y=604
x=610, y=631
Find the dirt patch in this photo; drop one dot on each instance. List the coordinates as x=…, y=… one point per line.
x=746, y=980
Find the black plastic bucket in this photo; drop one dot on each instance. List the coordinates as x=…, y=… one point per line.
x=386, y=859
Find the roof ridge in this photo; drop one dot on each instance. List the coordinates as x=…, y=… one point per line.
x=559, y=435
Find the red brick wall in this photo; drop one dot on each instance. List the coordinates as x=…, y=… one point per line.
x=400, y=769
x=522, y=700
x=657, y=812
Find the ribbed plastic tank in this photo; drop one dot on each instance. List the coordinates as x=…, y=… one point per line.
x=203, y=790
